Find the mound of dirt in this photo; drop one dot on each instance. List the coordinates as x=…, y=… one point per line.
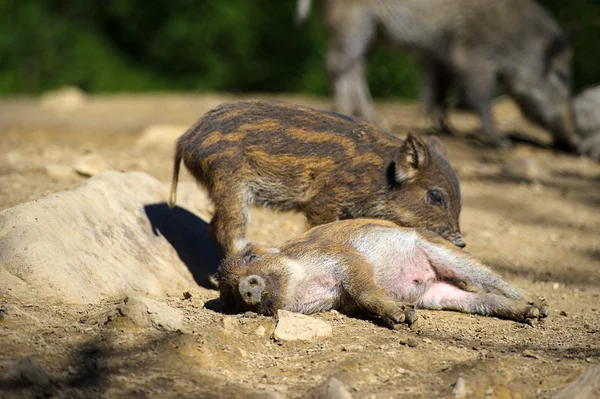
x=110, y=236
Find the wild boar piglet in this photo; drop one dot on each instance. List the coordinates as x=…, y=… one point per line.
x=369, y=265
x=325, y=165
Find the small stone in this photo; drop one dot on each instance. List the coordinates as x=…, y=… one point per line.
x=563, y=313
x=528, y=353
x=411, y=342
x=89, y=165
x=460, y=388
x=555, y=286
x=427, y=341
x=187, y=295
x=242, y=353
x=146, y=312
x=260, y=331
x=294, y=326
x=333, y=389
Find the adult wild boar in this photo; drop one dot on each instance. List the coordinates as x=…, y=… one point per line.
x=473, y=43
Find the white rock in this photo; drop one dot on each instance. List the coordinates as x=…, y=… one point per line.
x=160, y=136
x=89, y=164
x=295, y=326
x=460, y=388
x=585, y=107
x=107, y=237
x=147, y=312
x=63, y=100
x=260, y=331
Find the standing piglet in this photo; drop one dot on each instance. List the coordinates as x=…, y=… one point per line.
x=369, y=265
x=325, y=165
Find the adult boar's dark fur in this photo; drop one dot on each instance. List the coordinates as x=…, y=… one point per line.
x=327, y=166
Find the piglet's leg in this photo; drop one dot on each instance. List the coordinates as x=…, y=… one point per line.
x=442, y=295
x=228, y=225
x=361, y=286
x=457, y=266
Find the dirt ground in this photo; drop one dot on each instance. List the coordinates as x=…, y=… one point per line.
x=531, y=214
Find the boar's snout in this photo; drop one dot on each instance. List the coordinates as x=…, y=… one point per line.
x=251, y=289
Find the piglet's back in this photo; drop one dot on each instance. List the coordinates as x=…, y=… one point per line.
x=231, y=131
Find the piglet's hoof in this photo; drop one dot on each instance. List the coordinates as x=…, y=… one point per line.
x=540, y=304
x=399, y=313
x=531, y=316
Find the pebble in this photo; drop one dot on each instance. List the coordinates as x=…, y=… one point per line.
x=295, y=326
x=528, y=353
x=146, y=312
x=89, y=165
x=460, y=388
x=260, y=331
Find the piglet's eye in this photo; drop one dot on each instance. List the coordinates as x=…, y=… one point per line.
x=250, y=258
x=435, y=197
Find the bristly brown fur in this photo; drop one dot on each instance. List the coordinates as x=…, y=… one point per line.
x=323, y=164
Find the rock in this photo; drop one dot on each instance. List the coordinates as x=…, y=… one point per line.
x=160, y=136
x=333, y=389
x=528, y=353
x=460, y=388
x=25, y=371
x=587, y=121
x=65, y=99
x=58, y=172
x=146, y=312
x=587, y=386
x=108, y=237
x=260, y=331
x=89, y=165
x=585, y=108
x=295, y=326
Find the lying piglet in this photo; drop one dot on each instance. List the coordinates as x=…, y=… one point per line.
x=369, y=265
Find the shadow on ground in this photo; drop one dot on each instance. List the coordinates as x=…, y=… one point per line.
x=189, y=235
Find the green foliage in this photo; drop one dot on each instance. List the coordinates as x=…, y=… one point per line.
x=201, y=45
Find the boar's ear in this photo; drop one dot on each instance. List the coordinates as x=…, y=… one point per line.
x=413, y=156
x=436, y=144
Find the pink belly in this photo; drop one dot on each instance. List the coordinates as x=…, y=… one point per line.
x=407, y=280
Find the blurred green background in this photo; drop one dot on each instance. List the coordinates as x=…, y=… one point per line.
x=208, y=45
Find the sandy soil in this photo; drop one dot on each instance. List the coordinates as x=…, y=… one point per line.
x=531, y=214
